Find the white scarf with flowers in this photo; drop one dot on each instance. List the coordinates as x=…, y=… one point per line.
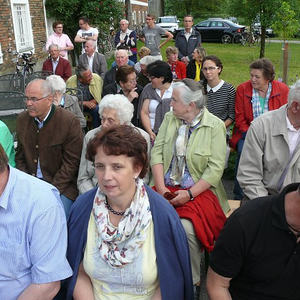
x=120, y=245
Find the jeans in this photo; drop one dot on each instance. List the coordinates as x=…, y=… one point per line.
x=67, y=203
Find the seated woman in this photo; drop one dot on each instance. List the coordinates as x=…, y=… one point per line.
x=193, y=69
x=113, y=110
x=156, y=96
x=62, y=99
x=253, y=98
x=178, y=68
x=143, y=52
x=187, y=163
x=125, y=240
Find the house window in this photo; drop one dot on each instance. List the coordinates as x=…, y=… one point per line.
x=22, y=25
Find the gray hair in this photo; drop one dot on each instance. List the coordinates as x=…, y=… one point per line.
x=119, y=50
x=120, y=104
x=80, y=69
x=147, y=60
x=124, y=20
x=53, y=46
x=45, y=86
x=57, y=84
x=188, y=95
x=294, y=93
x=94, y=43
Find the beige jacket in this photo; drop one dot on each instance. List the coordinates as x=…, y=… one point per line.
x=266, y=154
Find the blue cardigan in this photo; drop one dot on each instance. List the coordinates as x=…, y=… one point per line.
x=172, y=252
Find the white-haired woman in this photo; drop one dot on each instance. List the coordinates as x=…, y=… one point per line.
x=187, y=163
x=113, y=110
x=64, y=100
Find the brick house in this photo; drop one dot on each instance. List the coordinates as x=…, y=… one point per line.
x=139, y=10
x=22, y=28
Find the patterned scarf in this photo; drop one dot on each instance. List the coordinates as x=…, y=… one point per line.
x=120, y=245
x=181, y=142
x=256, y=107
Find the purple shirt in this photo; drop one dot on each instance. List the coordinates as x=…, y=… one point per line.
x=62, y=41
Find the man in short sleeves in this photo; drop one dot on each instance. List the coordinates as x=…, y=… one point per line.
x=33, y=236
x=152, y=36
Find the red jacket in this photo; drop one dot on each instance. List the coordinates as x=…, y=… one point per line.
x=180, y=69
x=243, y=106
x=63, y=68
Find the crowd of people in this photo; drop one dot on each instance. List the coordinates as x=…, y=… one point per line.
x=126, y=209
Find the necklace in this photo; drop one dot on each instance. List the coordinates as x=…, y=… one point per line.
x=118, y=213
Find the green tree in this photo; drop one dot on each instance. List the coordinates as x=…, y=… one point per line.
x=102, y=14
x=285, y=24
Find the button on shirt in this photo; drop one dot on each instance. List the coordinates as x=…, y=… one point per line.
x=54, y=64
x=33, y=235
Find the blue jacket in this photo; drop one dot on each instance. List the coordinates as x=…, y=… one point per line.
x=172, y=252
x=185, y=47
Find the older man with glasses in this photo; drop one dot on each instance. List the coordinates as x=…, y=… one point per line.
x=49, y=141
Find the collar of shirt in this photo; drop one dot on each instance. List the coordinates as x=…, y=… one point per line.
x=9, y=185
x=215, y=88
x=41, y=123
x=62, y=101
x=188, y=33
x=293, y=135
x=55, y=61
x=167, y=93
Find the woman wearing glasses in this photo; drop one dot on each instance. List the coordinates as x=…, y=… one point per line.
x=220, y=94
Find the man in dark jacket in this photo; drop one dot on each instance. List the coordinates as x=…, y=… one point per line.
x=187, y=40
x=49, y=141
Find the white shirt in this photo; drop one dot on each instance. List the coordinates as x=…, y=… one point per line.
x=54, y=64
x=188, y=34
x=293, y=136
x=90, y=60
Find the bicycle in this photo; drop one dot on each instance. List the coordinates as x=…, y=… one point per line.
x=105, y=43
x=249, y=38
x=24, y=68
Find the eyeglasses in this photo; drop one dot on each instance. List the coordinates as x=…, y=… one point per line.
x=59, y=26
x=34, y=99
x=210, y=69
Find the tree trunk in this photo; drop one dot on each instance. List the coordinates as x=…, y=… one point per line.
x=285, y=63
x=262, y=42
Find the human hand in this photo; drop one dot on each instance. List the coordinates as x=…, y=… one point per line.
x=132, y=95
x=185, y=60
x=181, y=198
x=152, y=136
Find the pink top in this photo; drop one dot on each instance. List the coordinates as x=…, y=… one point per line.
x=60, y=40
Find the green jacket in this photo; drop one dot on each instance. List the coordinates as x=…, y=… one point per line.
x=206, y=151
x=7, y=142
x=95, y=86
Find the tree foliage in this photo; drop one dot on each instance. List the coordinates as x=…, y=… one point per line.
x=285, y=24
x=263, y=11
x=102, y=13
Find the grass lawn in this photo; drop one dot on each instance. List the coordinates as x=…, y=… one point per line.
x=237, y=58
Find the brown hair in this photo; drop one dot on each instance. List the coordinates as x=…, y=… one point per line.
x=123, y=72
x=151, y=16
x=121, y=140
x=266, y=66
x=3, y=159
x=171, y=50
x=189, y=16
x=56, y=23
x=144, y=51
x=215, y=59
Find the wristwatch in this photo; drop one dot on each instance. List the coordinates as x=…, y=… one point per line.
x=191, y=195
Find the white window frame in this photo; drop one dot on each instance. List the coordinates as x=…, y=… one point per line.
x=22, y=26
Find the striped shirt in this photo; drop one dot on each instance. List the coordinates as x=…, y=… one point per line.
x=33, y=235
x=221, y=100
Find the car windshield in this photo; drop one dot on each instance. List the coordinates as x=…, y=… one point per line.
x=167, y=20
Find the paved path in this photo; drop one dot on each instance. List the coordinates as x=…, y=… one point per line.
x=281, y=41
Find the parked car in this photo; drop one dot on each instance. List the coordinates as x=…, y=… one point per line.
x=218, y=30
x=169, y=23
x=257, y=29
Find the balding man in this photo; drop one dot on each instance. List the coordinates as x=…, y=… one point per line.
x=56, y=64
x=95, y=60
x=49, y=141
x=33, y=236
x=121, y=58
x=127, y=38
